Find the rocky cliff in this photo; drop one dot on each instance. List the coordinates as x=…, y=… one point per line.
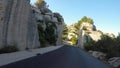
x=25, y=26
x=17, y=25
x=83, y=32
x=87, y=32
x=50, y=23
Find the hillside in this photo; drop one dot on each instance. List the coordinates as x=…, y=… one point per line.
x=86, y=36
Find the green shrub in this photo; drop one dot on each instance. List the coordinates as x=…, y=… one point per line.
x=47, y=36
x=50, y=35
x=74, y=40
x=89, y=45
x=65, y=32
x=8, y=49
x=108, y=45
x=64, y=37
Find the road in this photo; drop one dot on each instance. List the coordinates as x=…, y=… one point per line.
x=64, y=57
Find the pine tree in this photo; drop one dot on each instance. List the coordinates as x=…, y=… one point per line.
x=40, y=3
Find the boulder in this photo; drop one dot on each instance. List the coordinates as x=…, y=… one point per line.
x=99, y=55
x=95, y=35
x=45, y=10
x=47, y=18
x=59, y=18
x=39, y=17
x=114, y=61
x=49, y=13
x=35, y=9
x=55, y=19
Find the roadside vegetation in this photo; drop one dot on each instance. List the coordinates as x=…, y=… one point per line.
x=107, y=44
x=8, y=49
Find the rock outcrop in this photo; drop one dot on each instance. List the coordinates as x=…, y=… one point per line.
x=115, y=62
x=17, y=25
x=87, y=32
x=49, y=19
x=99, y=55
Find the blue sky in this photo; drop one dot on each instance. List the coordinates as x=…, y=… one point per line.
x=105, y=13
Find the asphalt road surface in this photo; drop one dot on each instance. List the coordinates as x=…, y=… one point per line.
x=64, y=57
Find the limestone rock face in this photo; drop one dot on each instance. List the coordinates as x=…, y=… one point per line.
x=88, y=26
x=95, y=35
x=87, y=31
x=59, y=27
x=59, y=33
x=17, y=25
x=45, y=17
x=81, y=39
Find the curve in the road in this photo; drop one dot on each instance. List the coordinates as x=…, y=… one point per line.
x=64, y=57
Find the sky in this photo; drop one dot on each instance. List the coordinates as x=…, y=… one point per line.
x=105, y=13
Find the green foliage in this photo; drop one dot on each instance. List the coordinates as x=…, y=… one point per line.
x=107, y=44
x=47, y=36
x=88, y=20
x=8, y=49
x=65, y=32
x=40, y=3
x=50, y=35
x=74, y=40
x=77, y=26
x=64, y=37
x=89, y=45
x=84, y=28
x=85, y=20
